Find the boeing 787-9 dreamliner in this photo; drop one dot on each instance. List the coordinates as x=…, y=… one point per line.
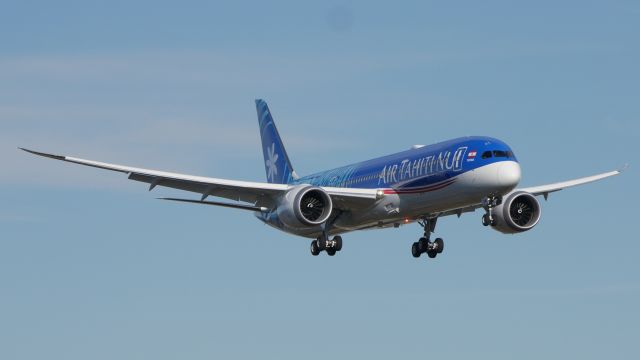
x=419, y=185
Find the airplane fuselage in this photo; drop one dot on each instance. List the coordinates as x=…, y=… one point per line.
x=421, y=182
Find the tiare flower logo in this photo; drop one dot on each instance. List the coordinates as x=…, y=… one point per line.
x=272, y=158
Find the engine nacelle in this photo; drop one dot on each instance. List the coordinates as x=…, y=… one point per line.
x=305, y=206
x=519, y=211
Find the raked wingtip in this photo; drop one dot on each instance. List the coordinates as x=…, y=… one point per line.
x=52, y=156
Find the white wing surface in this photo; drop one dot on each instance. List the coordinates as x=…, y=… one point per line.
x=257, y=193
x=546, y=189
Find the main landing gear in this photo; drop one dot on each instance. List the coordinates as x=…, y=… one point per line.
x=488, y=204
x=323, y=243
x=424, y=245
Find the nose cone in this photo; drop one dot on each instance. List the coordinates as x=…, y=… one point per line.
x=509, y=174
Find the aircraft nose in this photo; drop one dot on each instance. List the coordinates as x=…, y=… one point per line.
x=509, y=174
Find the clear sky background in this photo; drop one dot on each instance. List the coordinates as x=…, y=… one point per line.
x=93, y=267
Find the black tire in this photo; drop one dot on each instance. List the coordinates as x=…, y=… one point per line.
x=423, y=245
x=322, y=244
x=439, y=245
x=415, y=251
x=338, y=240
x=494, y=222
x=331, y=252
x=432, y=254
x=485, y=220
x=315, y=251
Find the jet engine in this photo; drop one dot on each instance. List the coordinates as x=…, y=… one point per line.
x=305, y=206
x=518, y=212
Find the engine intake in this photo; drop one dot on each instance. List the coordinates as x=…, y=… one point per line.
x=304, y=207
x=519, y=211
x=312, y=206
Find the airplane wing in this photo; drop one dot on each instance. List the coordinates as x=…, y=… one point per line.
x=262, y=195
x=546, y=189
x=543, y=190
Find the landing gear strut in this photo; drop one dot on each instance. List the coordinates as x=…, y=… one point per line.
x=488, y=204
x=424, y=245
x=323, y=243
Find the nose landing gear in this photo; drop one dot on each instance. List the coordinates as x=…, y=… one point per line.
x=424, y=245
x=488, y=204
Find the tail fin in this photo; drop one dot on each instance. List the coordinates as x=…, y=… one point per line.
x=276, y=161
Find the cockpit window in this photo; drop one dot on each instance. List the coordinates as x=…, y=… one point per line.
x=486, y=154
x=500, y=153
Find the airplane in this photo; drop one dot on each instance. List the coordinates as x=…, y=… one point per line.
x=419, y=185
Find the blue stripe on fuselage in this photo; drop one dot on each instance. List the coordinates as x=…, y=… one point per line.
x=425, y=167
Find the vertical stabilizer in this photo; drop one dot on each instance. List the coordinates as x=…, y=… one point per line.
x=276, y=161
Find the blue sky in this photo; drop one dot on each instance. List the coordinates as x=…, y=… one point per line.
x=92, y=266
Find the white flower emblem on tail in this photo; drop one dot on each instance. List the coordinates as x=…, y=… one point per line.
x=272, y=158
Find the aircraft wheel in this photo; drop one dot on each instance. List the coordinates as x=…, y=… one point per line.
x=338, y=245
x=423, y=245
x=331, y=252
x=415, y=251
x=439, y=245
x=485, y=220
x=322, y=243
x=432, y=253
x=315, y=250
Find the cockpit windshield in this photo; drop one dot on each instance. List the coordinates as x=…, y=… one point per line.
x=497, y=153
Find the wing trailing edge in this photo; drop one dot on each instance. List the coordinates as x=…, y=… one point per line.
x=218, y=203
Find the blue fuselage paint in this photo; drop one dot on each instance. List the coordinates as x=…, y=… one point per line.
x=423, y=168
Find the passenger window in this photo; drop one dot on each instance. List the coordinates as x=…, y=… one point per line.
x=499, y=153
x=486, y=154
